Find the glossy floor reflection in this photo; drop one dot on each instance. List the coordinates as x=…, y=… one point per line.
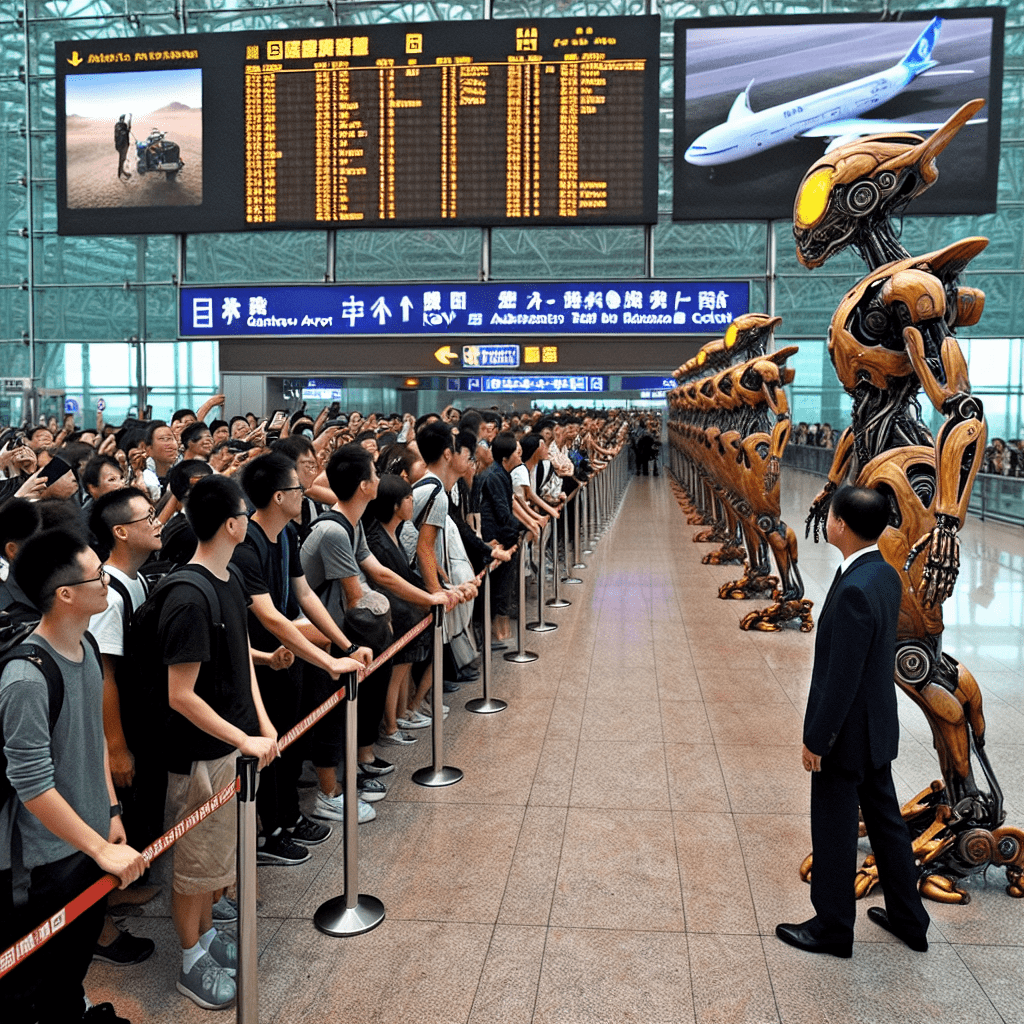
x=628, y=832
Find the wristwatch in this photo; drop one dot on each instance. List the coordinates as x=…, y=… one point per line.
x=116, y=810
x=350, y=651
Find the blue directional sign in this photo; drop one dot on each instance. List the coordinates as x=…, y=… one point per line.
x=487, y=356
x=343, y=310
x=648, y=383
x=554, y=383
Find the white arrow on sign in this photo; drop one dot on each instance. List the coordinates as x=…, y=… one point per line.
x=406, y=305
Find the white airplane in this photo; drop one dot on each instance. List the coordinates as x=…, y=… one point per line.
x=832, y=113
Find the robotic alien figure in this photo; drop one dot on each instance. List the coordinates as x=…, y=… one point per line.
x=730, y=426
x=892, y=337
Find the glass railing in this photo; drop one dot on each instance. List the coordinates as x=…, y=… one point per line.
x=994, y=497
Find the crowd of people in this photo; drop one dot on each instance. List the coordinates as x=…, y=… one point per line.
x=175, y=592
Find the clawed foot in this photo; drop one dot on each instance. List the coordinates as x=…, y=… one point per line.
x=775, y=616
x=728, y=554
x=748, y=586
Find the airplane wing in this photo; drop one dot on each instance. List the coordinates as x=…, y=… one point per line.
x=852, y=128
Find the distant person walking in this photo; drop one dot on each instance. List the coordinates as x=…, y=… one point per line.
x=122, y=140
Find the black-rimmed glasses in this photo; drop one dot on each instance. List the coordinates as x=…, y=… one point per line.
x=149, y=517
x=101, y=575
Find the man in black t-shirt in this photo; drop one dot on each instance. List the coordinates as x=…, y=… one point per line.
x=122, y=140
x=279, y=594
x=217, y=713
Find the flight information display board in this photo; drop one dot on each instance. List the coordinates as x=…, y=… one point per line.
x=511, y=122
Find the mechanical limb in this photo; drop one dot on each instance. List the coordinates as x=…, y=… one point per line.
x=841, y=463
x=789, y=600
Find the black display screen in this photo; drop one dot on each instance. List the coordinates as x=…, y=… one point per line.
x=518, y=122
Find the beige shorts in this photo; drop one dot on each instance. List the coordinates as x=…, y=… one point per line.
x=204, y=859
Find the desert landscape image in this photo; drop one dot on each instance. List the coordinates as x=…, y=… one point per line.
x=170, y=101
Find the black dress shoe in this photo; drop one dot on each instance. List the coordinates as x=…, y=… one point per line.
x=800, y=936
x=881, y=918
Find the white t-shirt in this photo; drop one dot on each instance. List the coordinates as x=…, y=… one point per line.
x=520, y=477
x=108, y=626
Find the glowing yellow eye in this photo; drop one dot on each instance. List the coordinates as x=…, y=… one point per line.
x=730, y=336
x=813, y=198
x=701, y=357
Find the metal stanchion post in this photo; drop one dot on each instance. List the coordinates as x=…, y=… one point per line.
x=588, y=538
x=354, y=912
x=521, y=656
x=577, y=547
x=568, y=577
x=486, y=705
x=438, y=774
x=555, y=601
x=540, y=626
x=248, y=1000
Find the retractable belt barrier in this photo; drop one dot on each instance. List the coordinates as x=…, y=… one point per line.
x=24, y=947
x=595, y=508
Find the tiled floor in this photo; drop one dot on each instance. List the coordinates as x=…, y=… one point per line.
x=628, y=832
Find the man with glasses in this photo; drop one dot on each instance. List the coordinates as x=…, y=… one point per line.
x=124, y=523
x=66, y=816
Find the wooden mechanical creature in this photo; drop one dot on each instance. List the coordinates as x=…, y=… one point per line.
x=891, y=338
x=732, y=427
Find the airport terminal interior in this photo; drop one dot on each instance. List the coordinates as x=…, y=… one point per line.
x=631, y=829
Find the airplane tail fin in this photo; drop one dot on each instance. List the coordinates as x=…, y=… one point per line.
x=741, y=105
x=918, y=57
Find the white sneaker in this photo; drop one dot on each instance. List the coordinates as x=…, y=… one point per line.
x=427, y=710
x=395, y=739
x=414, y=720
x=333, y=807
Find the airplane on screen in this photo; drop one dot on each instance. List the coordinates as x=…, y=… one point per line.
x=832, y=113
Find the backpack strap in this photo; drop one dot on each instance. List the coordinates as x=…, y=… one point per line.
x=43, y=660
x=332, y=516
x=184, y=574
x=425, y=511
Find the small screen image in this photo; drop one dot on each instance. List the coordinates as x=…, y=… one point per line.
x=134, y=139
x=758, y=100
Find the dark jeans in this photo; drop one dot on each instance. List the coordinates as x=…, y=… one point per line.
x=51, y=978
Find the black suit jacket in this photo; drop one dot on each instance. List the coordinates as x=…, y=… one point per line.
x=851, y=708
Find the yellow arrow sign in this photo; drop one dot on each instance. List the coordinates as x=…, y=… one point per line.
x=74, y=60
x=446, y=355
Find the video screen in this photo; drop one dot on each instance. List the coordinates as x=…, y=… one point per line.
x=759, y=99
x=134, y=138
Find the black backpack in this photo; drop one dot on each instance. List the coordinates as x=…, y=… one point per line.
x=16, y=646
x=142, y=675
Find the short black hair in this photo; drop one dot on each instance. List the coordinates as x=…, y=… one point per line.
x=56, y=513
x=395, y=458
x=293, y=447
x=211, y=503
x=365, y=435
x=262, y=478
x=863, y=509
x=391, y=492
x=433, y=439
x=466, y=439
x=193, y=432
x=530, y=445
x=152, y=429
x=235, y=419
x=427, y=417
x=110, y=510
x=179, y=477
x=349, y=466
x=546, y=424
x=471, y=420
x=503, y=446
x=46, y=561
x=180, y=414
x=92, y=469
x=32, y=431
x=215, y=425
x=19, y=519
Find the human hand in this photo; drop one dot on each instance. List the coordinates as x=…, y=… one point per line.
x=364, y=655
x=122, y=766
x=811, y=762
x=343, y=666
x=116, y=833
x=262, y=747
x=121, y=860
x=33, y=487
x=281, y=659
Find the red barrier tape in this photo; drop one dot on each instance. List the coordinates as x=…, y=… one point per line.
x=24, y=947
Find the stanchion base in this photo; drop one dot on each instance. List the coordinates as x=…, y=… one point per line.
x=485, y=705
x=588, y=551
x=542, y=627
x=572, y=579
x=557, y=602
x=579, y=565
x=333, y=918
x=446, y=776
x=521, y=657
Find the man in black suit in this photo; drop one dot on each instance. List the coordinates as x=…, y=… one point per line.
x=851, y=734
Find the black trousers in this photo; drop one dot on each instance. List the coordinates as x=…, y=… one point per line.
x=50, y=980
x=834, y=801
x=277, y=799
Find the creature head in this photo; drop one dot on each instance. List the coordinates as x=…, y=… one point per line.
x=849, y=195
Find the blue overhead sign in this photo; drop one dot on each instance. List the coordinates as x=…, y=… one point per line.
x=486, y=356
x=666, y=383
x=554, y=383
x=342, y=310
